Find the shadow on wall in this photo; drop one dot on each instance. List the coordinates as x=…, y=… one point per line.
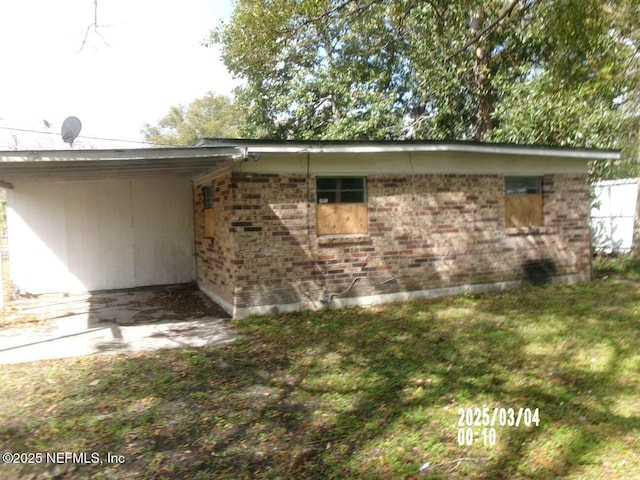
x=607, y=237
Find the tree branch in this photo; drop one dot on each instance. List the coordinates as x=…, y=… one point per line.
x=93, y=26
x=343, y=5
x=291, y=32
x=485, y=30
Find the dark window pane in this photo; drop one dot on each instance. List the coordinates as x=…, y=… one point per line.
x=352, y=197
x=521, y=185
x=326, y=183
x=353, y=183
x=326, y=197
x=207, y=197
x=340, y=190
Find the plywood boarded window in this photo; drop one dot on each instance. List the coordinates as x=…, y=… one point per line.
x=341, y=205
x=207, y=204
x=523, y=202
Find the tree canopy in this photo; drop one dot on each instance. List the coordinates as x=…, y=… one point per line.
x=209, y=116
x=561, y=72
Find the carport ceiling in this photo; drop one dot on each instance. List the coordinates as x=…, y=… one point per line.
x=85, y=164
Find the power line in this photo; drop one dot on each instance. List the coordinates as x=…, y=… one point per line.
x=91, y=138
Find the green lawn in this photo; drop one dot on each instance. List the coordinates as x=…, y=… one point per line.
x=357, y=393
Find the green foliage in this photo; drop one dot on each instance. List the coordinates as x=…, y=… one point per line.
x=556, y=72
x=210, y=116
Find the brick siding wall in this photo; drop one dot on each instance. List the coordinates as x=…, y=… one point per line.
x=425, y=232
x=215, y=256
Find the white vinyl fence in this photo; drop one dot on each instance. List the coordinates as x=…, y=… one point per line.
x=612, y=214
x=4, y=254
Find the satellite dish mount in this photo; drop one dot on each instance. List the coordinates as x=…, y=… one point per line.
x=70, y=129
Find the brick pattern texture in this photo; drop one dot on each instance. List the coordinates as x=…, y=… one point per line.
x=215, y=256
x=425, y=232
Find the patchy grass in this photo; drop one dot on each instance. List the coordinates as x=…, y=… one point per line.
x=354, y=393
x=617, y=266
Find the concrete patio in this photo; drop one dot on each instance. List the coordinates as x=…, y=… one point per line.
x=58, y=326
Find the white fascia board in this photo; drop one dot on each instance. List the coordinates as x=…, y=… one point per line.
x=150, y=154
x=586, y=154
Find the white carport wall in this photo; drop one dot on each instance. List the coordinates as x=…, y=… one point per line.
x=81, y=235
x=98, y=220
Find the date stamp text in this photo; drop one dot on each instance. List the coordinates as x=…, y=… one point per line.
x=478, y=424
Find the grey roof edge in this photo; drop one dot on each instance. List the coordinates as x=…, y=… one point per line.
x=239, y=148
x=144, y=154
x=347, y=146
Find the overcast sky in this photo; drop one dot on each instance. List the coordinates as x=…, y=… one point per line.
x=146, y=56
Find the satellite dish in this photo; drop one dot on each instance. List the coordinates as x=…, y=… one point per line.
x=70, y=129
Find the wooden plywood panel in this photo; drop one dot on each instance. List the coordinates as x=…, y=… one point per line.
x=208, y=223
x=341, y=218
x=523, y=210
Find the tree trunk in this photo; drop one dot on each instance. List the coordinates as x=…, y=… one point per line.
x=328, y=47
x=484, y=102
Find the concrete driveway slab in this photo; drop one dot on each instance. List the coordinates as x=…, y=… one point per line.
x=55, y=326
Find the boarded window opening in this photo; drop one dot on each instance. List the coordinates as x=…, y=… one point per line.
x=341, y=206
x=207, y=196
x=207, y=204
x=523, y=202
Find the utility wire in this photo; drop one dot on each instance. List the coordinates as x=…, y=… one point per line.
x=92, y=138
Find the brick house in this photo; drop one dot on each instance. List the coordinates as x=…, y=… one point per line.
x=310, y=224
x=266, y=226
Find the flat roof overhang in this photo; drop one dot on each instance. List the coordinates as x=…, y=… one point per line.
x=212, y=154
x=346, y=146
x=85, y=164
